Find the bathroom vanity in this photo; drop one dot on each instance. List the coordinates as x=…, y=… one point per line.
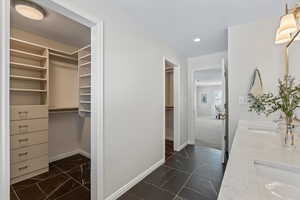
x=259, y=168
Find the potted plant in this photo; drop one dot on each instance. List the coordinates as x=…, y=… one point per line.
x=286, y=102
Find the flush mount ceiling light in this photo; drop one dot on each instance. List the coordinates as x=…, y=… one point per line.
x=30, y=10
x=197, y=40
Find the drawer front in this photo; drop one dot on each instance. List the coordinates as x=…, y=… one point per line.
x=28, y=112
x=29, y=153
x=25, y=140
x=27, y=126
x=28, y=166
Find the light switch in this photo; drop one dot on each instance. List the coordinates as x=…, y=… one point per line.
x=243, y=100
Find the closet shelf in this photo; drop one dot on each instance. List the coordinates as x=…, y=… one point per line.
x=21, y=44
x=63, y=109
x=63, y=56
x=85, y=102
x=169, y=68
x=27, y=90
x=26, y=66
x=83, y=110
x=85, y=56
x=85, y=75
x=85, y=94
x=63, y=52
x=85, y=64
x=27, y=78
x=85, y=87
x=26, y=55
x=169, y=107
x=86, y=48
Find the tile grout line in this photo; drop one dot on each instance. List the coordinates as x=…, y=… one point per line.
x=195, y=191
x=178, y=170
x=66, y=173
x=157, y=187
x=212, y=187
x=56, y=189
x=185, y=183
x=75, y=180
x=39, y=187
x=68, y=192
x=14, y=191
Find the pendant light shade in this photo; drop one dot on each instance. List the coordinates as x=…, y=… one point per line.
x=282, y=38
x=288, y=24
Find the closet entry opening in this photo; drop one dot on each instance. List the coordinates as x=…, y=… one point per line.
x=171, y=135
x=50, y=106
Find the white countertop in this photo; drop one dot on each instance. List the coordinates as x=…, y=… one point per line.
x=240, y=179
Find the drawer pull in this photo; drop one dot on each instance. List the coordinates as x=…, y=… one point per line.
x=23, y=168
x=23, y=112
x=23, y=154
x=23, y=126
x=23, y=140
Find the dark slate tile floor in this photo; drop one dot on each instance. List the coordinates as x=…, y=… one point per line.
x=67, y=179
x=194, y=173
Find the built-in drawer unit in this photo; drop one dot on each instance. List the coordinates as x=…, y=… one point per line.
x=28, y=112
x=27, y=153
x=25, y=140
x=28, y=126
x=22, y=168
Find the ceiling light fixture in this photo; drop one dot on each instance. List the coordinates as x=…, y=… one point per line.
x=30, y=10
x=282, y=38
x=197, y=40
x=286, y=33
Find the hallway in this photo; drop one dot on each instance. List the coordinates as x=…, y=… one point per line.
x=193, y=173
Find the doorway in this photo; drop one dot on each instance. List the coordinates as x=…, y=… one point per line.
x=171, y=109
x=209, y=105
x=30, y=78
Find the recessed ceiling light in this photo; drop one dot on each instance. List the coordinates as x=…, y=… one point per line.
x=197, y=40
x=30, y=10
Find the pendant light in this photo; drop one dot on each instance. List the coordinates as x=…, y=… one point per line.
x=282, y=38
x=288, y=24
x=30, y=10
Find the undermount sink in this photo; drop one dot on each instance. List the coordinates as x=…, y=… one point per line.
x=277, y=181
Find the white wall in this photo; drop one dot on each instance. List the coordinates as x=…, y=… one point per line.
x=209, y=60
x=250, y=46
x=133, y=94
x=204, y=61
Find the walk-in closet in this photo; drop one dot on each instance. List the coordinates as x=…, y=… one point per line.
x=169, y=109
x=50, y=104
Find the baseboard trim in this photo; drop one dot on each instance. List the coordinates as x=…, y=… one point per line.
x=68, y=154
x=84, y=153
x=134, y=181
x=182, y=146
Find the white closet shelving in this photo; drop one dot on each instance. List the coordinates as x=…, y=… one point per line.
x=29, y=98
x=84, y=76
x=29, y=73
